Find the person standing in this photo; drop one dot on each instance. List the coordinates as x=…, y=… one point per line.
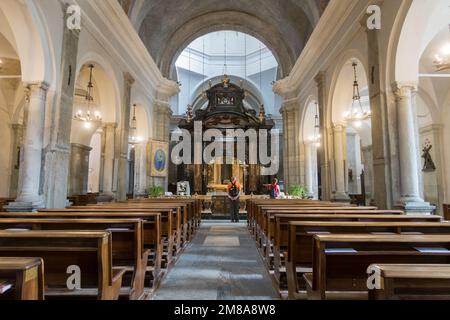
x=274, y=189
x=234, y=194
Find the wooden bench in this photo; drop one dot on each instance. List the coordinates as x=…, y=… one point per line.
x=182, y=233
x=127, y=244
x=254, y=207
x=171, y=219
x=267, y=228
x=411, y=282
x=4, y=202
x=24, y=275
x=446, y=211
x=153, y=238
x=161, y=218
x=281, y=233
x=340, y=262
x=91, y=251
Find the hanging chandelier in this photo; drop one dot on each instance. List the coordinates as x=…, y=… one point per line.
x=134, y=138
x=442, y=59
x=357, y=114
x=317, y=137
x=88, y=117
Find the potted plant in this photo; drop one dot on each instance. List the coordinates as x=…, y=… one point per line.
x=155, y=192
x=297, y=191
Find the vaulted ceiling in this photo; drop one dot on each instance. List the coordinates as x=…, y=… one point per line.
x=168, y=26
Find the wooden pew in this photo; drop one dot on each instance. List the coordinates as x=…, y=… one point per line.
x=261, y=219
x=267, y=221
x=167, y=224
x=267, y=228
x=171, y=219
x=194, y=209
x=281, y=233
x=127, y=244
x=4, y=202
x=153, y=239
x=91, y=251
x=180, y=212
x=25, y=276
x=411, y=282
x=446, y=211
x=340, y=262
x=253, y=207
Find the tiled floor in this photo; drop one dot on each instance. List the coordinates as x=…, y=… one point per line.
x=222, y=263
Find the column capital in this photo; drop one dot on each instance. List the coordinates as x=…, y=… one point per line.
x=404, y=89
x=339, y=127
x=128, y=78
x=320, y=78
x=109, y=125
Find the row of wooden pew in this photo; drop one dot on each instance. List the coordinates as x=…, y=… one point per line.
x=321, y=250
x=118, y=250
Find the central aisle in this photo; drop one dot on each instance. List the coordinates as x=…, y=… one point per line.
x=222, y=263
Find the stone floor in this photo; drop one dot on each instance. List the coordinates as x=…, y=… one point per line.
x=222, y=263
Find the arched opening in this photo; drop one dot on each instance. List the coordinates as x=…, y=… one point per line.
x=11, y=115
x=311, y=144
x=351, y=121
x=423, y=40
x=93, y=132
x=245, y=59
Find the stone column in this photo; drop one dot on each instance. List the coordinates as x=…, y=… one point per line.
x=57, y=151
x=79, y=169
x=161, y=125
x=323, y=151
x=29, y=195
x=382, y=180
x=17, y=140
x=310, y=148
x=408, y=151
x=123, y=175
x=140, y=180
x=291, y=154
x=340, y=171
x=109, y=133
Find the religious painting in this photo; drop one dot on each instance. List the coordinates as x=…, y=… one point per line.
x=158, y=158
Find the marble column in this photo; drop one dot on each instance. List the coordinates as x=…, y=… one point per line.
x=340, y=171
x=291, y=143
x=108, y=144
x=123, y=175
x=29, y=195
x=140, y=171
x=310, y=170
x=323, y=151
x=17, y=140
x=408, y=151
x=57, y=151
x=79, y=169
x=382, y=179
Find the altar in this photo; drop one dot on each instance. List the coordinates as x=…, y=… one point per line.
x=225, y=111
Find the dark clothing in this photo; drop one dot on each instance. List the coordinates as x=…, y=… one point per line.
x=234, y=208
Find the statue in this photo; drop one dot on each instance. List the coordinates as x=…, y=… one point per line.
x=429, y=165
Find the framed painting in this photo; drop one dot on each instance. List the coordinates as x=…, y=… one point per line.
x=158, y=158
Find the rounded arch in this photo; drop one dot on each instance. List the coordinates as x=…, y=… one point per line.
x=144, y=115
x=221, y=21
x=104, y=66
x=308, y=118
x=414, y=30
x=250, y=87
x=30, y=38
x=342, y=76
